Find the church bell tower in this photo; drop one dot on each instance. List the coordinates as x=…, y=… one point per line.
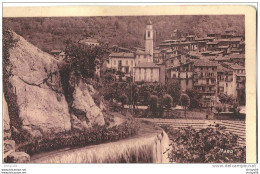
x=149, y=39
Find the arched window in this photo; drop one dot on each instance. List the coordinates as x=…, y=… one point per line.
x=148, y=33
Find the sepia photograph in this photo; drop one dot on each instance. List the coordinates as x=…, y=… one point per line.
x=125, y=89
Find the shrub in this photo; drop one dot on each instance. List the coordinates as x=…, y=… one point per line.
x=167, y=102
x=153, y=102
x=95, y=135
x=209, y=145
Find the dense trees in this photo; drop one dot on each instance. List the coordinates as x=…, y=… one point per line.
x=83, y=61
x=51, y=33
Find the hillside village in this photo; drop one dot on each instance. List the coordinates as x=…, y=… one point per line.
x=144, y=104
x=211, y=65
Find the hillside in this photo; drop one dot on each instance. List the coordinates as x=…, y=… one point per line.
x=51, y=33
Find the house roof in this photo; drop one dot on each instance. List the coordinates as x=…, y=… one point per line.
x=205, y=63
x=241, y=74
x=216, y=52
x=220, y=68
x=142, y=52
x=237, y=56
x=122, y=55
x=223, y=46
x=212, y=43
x=147, y=65
x=235, y=66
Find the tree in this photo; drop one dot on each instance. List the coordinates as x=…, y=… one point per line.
x=82, y=61
x=219, y=108
x=173, y=88
x=167, y=102
x=133, y=94
x=235, y=108
x=185, y=101
x=123, y=100
x=153, y=104
x=194, y=98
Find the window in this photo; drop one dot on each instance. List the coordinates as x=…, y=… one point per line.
x=132, y=62
x=148, y=33
x=171, y=61
x=126, y=62
x=114, y=62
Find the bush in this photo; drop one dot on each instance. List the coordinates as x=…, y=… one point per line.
x=95, y=135
x=209, y=145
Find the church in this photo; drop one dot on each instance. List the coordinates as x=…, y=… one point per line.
x=139, y=64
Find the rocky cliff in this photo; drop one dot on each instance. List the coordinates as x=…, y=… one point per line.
x=41, y=103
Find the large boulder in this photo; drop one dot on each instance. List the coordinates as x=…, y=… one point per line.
x=86, y=112
x=35, y=80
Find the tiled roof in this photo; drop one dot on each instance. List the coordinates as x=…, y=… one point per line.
x=147, y=65
x=122, y=55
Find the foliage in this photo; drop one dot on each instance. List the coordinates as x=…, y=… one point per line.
x=174, y=89
x=194, y=98
x=185, y=101
x=209, y=145
x=95, y=135
x=167, y=101
x=50, y=32
x=235, y=108
x=219, y=108
x=123, y=99
x=153, y=104
x=83, y=61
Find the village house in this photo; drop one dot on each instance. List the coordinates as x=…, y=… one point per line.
x=237, y=59
x=205, y=75
x=147, y=72
x=182, y=73
x=88, y=42
x=122, y=61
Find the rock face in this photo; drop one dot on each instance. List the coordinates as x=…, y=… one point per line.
x=6, y=120
x=36, y=82
x=86, y=112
